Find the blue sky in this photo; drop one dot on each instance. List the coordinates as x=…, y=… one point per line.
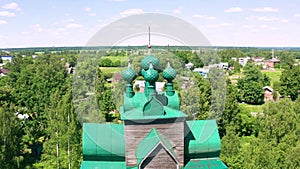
x=253, y=23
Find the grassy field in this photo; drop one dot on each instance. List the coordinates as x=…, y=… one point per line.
x=273, y=75
x=252, y=108
x=116, y=58
x=112, y=69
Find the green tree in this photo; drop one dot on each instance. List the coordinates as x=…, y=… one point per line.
x=287, y=60
x=232, y=109
x=251, y=91
x=204, y=98
x=231, y=149
x=237, y=66
x=290, y=82
x=10, y=138
x=217, y=80
x=73, y=133
x=278, y=138
x=251, y=86
x=104, y=96
x=189, y=97
x=226, y=55
x=106, y=62
x=62, y=146
x=85, y=86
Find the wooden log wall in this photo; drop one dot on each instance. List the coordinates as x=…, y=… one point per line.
x=172, y=129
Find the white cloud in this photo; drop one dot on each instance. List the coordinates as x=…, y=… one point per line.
x=116, y=0
x=233, y=9
x=204, y=17
x=2, y=22
x=92, y=14
x=267, y=27
x=25, y=33
x=12, y=5
x=297, y=15
x=131, y=12
x=73, y=25
x=6, y=13
x=265, y=9
x=87, y=9
x=218, y=25
x=257, y=28
x=248, y=26
x=60, y=30
x=267, y=19
x=263, y=26
x=37, y=28
x=177, y=11
x=68, y=20
x=63, y=21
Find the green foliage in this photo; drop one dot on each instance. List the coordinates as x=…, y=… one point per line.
x=189, y=97
x=10, y=137
x=251, y=91
x=246, y=124
x=237, y=67
x=112, y=61
x=251, y=85
x=217, y=80
x=275, y=146
x=33, y=82
x=231, y=148
x=287, y=60
x=188, y=56
x=226, y=55
x=27, y=89
x=279, y=120
x=106, y=62
x=231, y=111
x=62, y=147
x=104, y=96
x=290, y=82
x=204, y=96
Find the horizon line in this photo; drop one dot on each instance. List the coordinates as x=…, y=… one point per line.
x=126, y=46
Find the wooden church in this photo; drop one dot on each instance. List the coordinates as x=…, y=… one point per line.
x=155, y=134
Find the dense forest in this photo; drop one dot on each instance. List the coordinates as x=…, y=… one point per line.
x=44, y=99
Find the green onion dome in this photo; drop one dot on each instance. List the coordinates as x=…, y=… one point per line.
x=151, y=75
x=129, y=74
x=169, y=73
x=145, y=62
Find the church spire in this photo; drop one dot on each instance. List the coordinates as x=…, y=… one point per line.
x=149, y=44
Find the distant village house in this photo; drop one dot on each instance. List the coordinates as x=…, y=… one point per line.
x=270, y=64
x=268, y=94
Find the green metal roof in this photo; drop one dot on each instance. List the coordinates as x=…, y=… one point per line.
x=103, y=142
x=202, y=139
x=103, y=165
x=169, y=73
x=140, y=108
x=150, y=142
x=129, y=74
x=146, y=61
x=209, y=163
